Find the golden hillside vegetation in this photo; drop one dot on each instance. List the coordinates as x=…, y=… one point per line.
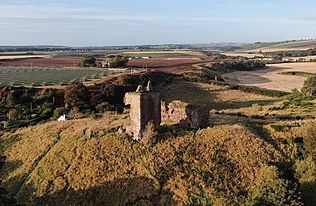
x=87, y=162
x=247, y=156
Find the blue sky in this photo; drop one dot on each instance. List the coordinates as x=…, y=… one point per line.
x=131, y=22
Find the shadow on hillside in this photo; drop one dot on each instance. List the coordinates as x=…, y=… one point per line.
x=12, y=183
x=251, y=77
x=173, y=131
x=190, y=93
x=264, y=135
x=9, y=167
x=308, y=190
x=128, y=191
x=239, y=105
x=245, y=78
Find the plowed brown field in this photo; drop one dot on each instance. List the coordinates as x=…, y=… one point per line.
x=172, y=65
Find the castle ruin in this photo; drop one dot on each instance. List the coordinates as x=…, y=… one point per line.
x=145, y=108
x=186, y=115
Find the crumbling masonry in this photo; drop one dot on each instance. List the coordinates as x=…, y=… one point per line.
x=145, y=108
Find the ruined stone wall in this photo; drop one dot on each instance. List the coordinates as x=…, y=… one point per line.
x=186, y=115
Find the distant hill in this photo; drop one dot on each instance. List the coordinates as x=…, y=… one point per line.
x=49, y=48
x=281, y=46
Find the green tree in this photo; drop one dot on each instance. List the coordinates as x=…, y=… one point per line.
x=119, y=61
x=88, y=62
x=77, y=95
x=277, y=58
x=58, y=112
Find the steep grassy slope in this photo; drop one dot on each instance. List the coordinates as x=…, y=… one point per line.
x=86, y=162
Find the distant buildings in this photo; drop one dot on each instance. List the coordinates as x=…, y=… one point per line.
x=106, y=63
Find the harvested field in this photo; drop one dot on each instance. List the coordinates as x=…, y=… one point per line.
x=164, y=53
x=12, y=57
x=64, y=61
x=172, y=65
x=273, y=78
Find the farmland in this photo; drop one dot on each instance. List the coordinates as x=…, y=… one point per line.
x=273, y=77
x=163, y=54
x=60, y=61
x=49, y=76
x=12, y=57
x=153, y=55
x=281, y=46
x=171, y=65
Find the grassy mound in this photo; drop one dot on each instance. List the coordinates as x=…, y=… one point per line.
x=87, y=162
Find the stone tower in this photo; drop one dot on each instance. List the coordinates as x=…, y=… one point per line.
x=145, y=107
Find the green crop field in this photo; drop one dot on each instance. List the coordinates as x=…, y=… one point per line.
x=49, y=76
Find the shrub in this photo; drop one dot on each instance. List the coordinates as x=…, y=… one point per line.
x=88, y=62
x=305, y=169
x=104, y=107
x=297, y=99
x=13, y=115
x=306, y=173
x=202, y=199
x=271, y=189
x=75, y=113
x=310, y=140
x=47, y=112
x=58, y=112
x=119, y=61
x=309, y=88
